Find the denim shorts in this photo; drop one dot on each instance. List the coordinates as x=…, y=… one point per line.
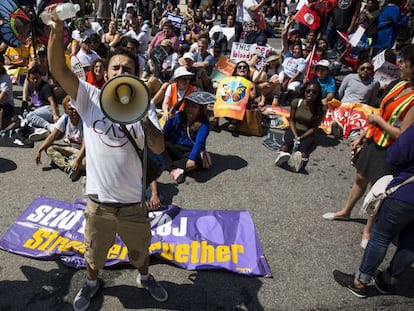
x=103, y=222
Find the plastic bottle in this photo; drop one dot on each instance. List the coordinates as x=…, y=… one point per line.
x=63, y=11
x=275, y=102
x=296, y=144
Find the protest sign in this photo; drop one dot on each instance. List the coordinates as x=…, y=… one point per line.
x=191, y=239
x=176, y=20
x=351, y=116
x=231, y=98
x=77, y=68
x=385, y=72
x=243, y=51
x=223, y=68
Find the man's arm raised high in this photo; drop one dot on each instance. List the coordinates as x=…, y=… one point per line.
x=57, y=65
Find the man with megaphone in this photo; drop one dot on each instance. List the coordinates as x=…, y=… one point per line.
x=115, y=172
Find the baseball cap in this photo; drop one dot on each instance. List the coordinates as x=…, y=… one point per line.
x=324, y=63
x=86, y=39
x=189, y=56
x=166, y=42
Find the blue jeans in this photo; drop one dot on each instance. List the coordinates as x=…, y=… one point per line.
x=395, y=218
x=41, y=117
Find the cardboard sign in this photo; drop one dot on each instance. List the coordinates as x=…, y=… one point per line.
x=77, y=68
x=243, y=51
x=176, y=20
x=223, y=68
x=231, y=98
x=385, y=72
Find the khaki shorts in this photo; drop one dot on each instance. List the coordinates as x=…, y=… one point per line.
x=102, y=223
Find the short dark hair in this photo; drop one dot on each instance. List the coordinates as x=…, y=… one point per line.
x=407, y=55
x=127, y=53
x=34, y=70
x=362, y=59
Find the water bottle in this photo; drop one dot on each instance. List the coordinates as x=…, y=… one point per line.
x=63, y=11
x=296, y=144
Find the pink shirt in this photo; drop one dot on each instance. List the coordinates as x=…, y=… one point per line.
x=161, y=36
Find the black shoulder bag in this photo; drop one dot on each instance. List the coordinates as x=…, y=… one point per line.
x=151, y=169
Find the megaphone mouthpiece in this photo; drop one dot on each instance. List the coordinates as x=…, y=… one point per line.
x=124, y=99
x=124, y=93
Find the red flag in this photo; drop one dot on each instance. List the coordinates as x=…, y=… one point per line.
x=343, y=36
x=311, y=61
x=308, y=17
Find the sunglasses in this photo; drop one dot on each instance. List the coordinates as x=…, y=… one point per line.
x=309, y=91
x=366, y=68
x=242, y=67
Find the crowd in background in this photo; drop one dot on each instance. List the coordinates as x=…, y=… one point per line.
x=177, y=48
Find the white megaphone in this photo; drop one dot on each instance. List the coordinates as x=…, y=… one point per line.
x=124, y=99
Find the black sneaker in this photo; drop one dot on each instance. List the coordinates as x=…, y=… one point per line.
x=84, y=296
x=337, y=130
x=74, y=175
x=380, y=284
x=154, y=288
x=347, y=281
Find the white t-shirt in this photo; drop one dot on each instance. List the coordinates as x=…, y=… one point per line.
x=248, y=15
x=292, y=65
x=6, y=86
x=114, y=169
x=180, y=94
x=143, y=39
x=86, y=59
x=77, y=35
x=73, y=134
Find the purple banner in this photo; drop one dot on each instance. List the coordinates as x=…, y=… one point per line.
x=191, y=239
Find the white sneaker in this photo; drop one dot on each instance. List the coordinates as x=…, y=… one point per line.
x=39, y=134
x=178, y=175
x=281, y=157
x=295, y=161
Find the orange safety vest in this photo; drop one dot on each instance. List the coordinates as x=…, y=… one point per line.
x=392, y=113
x=174, y=95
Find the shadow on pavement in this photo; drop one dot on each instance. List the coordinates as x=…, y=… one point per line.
x=221, y=163
x=7, y=165
x=43, y=290
x=208, y=290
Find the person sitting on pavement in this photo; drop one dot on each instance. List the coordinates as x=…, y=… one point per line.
x=294, y=66
x=203, y=59
x=360, y=87
x=96, y=75
x=78, y=34
x=218, y=43
x=6, y=98
x=325, y=80
x=306, y=114
x=185, y=137
x=42, y=98
x=241, y=70
x=395, y=116
x=175, y=92
x=112, y=37
x=70, y=156
x=167, y=32
x=86, y=55
x=357, y=87
x=394, y=222
x=268, y=80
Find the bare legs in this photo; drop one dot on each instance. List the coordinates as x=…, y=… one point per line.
x=357, y=191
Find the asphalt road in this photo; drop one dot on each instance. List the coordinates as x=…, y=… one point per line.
x=302, y=249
